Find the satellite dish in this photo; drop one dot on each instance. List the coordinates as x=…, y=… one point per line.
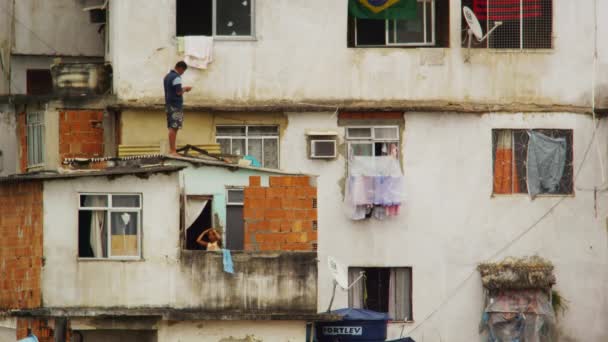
x=473, y=23
x=475, y=29
x=339, y=272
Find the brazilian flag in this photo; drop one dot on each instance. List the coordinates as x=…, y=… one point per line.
x=383, y=9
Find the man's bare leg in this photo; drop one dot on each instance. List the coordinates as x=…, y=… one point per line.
x=172, y=139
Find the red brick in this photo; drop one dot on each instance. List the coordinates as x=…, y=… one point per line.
x=255, y=181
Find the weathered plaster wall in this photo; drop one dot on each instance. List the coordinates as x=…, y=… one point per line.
x=233, y=331
x=20, y=65
x=601, y=72
x=300, y=54
x=5, y=46
x=58, y=27
x=166, y=277
x=150, y=127
x=451, y=222
x=8, y=140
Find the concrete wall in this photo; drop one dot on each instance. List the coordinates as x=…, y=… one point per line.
x=451, y=222
x=300, y=54
x=5, y=45
x=233, y=331
x=150, y=127
x=166, y=277
x=8, y=140
x=57, y=27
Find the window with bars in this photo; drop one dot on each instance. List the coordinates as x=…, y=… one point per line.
x=109, y=226
x=509, y=155
x=259, y=142
x=526, y=24
x=373, y=141
x=35, y=139
x=429, y=28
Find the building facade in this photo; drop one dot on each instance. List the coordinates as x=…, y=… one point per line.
x=288, y=76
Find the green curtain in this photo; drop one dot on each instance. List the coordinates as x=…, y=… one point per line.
x=401, y=10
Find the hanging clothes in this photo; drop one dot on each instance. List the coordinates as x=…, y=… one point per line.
x=198, y=51
x=546, y=163
x=374, y=187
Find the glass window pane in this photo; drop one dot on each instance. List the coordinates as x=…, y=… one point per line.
x=255, y=149
x=364, y=132
x=386, y=133
x=92, y=234
x=124, y=233
x=271, y=153
x=263, y=130
x=230, y=131
x=362, y=150
x=125, y=201
x=238, y=147
x=236, y=196
x=233, y=18
x=224, y=145
x=94, y=201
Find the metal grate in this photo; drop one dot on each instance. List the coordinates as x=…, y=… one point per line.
x=526, y=24
x=314, y=225
x=314, y=203
x=35, y=139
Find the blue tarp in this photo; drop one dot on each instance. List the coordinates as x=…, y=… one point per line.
x=350, y=314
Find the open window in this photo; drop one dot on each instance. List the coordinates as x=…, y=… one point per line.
x=198, y=214
x=526, y=24
x=406, y=23
x=218, y=18
x=235, y=226
x=382, y=289
x=109, y=226
x=551, y=155
x=39, y=82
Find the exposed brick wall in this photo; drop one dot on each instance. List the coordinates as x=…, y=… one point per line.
x=81, y=134
x=40, y=327
x=20, y=245
x=280, y=217
x=22, y=134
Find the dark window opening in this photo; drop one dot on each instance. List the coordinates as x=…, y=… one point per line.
x=39, y=82
x=194, y=17
x=203, y=221
x=87, y=220
x=523, y=27
x=430, y=28
x=382, y=289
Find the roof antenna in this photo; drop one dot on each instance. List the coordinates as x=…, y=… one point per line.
x=340, y=274
x=475, y=30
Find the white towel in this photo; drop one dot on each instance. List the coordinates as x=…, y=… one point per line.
x=198, y=51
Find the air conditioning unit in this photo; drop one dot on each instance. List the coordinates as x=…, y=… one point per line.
x=323, y=149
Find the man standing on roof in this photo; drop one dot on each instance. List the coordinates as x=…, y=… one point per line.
x=174, y=102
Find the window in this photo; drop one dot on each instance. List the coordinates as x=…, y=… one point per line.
x=198, y=215
x=429, y=26
x=373, y=141
x=109, y=226
x=39, y=82
x=382, y=289
x=510, y=162
x=259, y=142
x=218, y=18
x=235, y=227
x=526, y=24
x=35, y=139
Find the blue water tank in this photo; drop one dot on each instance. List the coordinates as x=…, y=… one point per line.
x=357, y=325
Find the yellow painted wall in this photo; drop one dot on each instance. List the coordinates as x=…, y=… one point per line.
x=150, y=127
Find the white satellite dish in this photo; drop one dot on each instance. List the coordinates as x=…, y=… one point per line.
x=475, y=28
x=340, y=274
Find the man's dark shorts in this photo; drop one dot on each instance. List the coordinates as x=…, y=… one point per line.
x=175, y=117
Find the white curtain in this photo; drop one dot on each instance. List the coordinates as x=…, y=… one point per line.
x=98, y=234
x=357, y=291
x=399, y=301
x=194, y=208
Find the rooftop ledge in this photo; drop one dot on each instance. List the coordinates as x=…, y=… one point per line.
x=170, y=314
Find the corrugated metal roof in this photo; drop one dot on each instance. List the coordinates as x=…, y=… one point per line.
x=118, y=171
